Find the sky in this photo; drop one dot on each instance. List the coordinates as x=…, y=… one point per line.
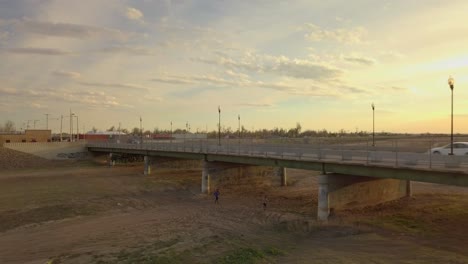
x=273, y=63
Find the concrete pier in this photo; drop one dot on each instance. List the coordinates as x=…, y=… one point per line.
x=339, y=191
x=323, y=209
x=218, y=174
x=205, y=183
x=409, y=188
x=281, y=173
x=110, y=160
x=147, y=169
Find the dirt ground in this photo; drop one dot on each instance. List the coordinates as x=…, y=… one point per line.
x=90, y=213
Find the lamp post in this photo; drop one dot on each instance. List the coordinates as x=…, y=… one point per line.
x=71, y=125
x=451, y=83
x=219, y=125
x=238, y=118
x=77, y=130
x=141, y=131
x=171, y=131
x=373, y=125
x=61, y=125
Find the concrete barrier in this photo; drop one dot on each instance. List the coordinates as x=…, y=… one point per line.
x=52, y=150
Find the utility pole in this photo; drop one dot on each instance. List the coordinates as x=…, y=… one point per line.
x=35, y=123
x=71, y=125
x=47, y=121
x=77, y=130
x=61, y=125
x=373, y=125
x=219, y=125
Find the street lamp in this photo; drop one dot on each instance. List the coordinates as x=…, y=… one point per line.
x=171, y=131
x=373, y=125
x=219, y=125
x=238, y=118
x=141, y=131
x=451, y=83
x=71, y=125
x=77, y=129
x=61, y=125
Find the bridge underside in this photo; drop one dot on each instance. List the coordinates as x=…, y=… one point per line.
x=447, y=177
x=341, y=185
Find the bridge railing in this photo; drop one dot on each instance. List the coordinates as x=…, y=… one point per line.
x=390, y=155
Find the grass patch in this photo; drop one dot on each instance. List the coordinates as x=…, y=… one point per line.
x=273, y=251
x=157, y=252
x=242, y=256
x=400, y=223
x=139, y=256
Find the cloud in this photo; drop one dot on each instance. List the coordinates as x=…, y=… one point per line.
x=4, y=35
x=279, y=65
x=304, y=69
x=256, y=105
x=39, y=51
x=68, y=30
x=4, y=91
x=395, y=89
x=347, y=36
x=66, y=74
x=308, y=90
x=173, y=80
x=139, y=51
x=95, y=99
x=359, y=60
x=133, y=14
x=352, y=89
x=115, y=85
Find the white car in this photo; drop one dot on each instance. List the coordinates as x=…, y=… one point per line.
x=459, y=149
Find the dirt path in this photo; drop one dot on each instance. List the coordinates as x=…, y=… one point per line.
x=115, y=215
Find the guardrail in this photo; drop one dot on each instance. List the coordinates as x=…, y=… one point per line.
x=365, y=155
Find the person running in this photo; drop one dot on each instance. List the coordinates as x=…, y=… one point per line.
x=216, y=195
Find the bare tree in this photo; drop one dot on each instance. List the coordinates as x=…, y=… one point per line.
x=9, y=126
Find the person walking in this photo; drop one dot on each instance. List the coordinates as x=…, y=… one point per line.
x=216, y=195
x=265, y=201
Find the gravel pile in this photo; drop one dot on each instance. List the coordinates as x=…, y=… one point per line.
x=12, y=159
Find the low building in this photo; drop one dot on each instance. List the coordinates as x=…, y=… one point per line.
x=29, y=135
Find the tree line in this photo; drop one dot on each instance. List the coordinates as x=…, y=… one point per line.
x=294, y=132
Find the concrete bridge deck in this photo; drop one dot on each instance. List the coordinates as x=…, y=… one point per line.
x=349, y=160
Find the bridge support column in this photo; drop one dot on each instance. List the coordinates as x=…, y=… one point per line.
x=409, y=188
x=339, y=191
x=110, y=160
x=147, y=169
x=205, y=185
x=323, y=210
x=281, y=173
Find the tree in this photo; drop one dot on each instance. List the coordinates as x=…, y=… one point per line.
x=9, y=126
x=112, y=128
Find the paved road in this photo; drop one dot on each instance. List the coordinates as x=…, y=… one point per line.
x=330, y=153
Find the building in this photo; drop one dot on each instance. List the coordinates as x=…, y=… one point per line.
x=29, y=135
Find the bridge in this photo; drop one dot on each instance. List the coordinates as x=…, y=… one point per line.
x=348, y=172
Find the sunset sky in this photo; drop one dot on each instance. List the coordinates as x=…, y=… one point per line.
x=274, y=63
